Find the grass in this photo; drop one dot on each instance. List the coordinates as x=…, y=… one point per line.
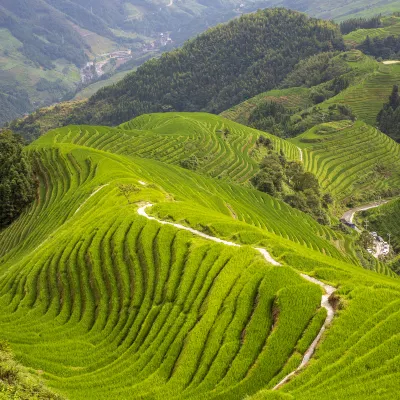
x=17, y=383
x=111, y=305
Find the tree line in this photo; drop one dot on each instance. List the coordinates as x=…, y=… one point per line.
x=17, y=184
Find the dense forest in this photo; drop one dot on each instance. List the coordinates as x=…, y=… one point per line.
x=218, y=69
x=17, y=187
x=288, y=181
x=389, y=117
x=386, y=48
x=353, y=24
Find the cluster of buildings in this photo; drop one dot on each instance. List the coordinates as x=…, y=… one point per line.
x=95, y=69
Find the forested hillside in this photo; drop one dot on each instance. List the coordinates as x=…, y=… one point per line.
x=220, y=68
x=44, y=44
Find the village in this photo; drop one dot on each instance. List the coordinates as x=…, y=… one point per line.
x=108, y=62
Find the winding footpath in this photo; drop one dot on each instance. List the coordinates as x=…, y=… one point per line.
x=324, y=301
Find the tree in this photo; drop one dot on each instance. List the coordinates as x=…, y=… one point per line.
x=17, y=187
x=388, y=119
x=128, y=190
x=366, y=241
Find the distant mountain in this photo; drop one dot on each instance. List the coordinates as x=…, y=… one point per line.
x=45, y=43
x=218, y=69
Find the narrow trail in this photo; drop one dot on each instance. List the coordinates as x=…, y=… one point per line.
x=97, y=190
x=171, y=3
x=301, y=153
x=324, y=300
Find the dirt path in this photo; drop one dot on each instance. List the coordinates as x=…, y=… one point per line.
x=301, y=153
x=390, y=62
x=97, y=190
x=324, y=300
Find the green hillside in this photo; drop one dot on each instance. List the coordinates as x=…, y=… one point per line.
x=369, y=86
x=106, y=303
x=354, y=162
x=386, y=221
x=390, y=27
x=44, y=44
x=209, y=73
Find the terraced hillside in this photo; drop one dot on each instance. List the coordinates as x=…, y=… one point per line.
x=390, y=27
x=366, y=98
x=360, y=70
x=222, y=148
x=291, y=98
x=353, y=161
x=107, y=304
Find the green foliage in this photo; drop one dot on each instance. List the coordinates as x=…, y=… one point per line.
x=212, y=72
x=316, y=69
x=387, y=48
x=16, y=383
x=190, y=163
x=353, y=24
x=289, y=181
x=366, y=240
x=351, y=161
x=389, y=117
x=271, y=117
x=384, y=220
x=17, y=187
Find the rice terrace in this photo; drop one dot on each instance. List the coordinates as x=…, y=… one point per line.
x=237, y=237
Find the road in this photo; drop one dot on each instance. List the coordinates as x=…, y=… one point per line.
x=348, y=216
x=328, y=290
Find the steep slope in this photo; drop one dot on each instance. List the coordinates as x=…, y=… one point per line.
x=386, y=221
x=353, y=161
x=45, y=43
x=109, y=304
x=219, y=68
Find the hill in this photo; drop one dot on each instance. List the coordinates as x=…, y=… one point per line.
x=364, y=88
x=353, y=161
x=210, y=73
x=44, y=45
x=389, y=26
x=108, y=303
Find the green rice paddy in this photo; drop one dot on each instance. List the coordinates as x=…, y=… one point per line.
x=105, y=304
